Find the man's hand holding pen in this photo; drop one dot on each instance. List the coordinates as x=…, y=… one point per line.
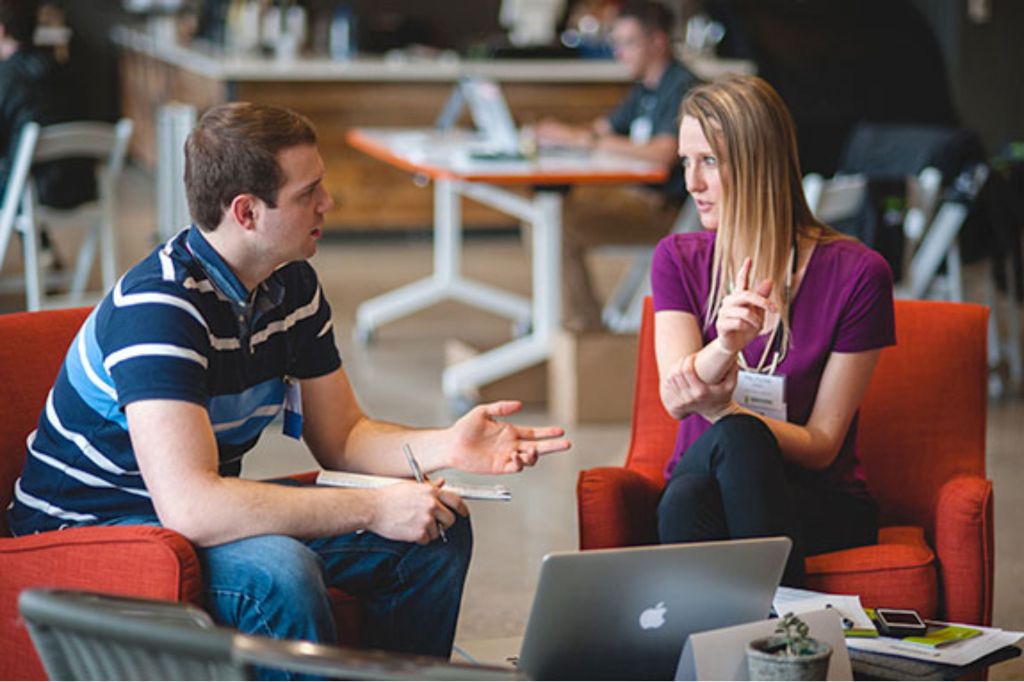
x=479, y=442
x=417, y=472
x=414, y=512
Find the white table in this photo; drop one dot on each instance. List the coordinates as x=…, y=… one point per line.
x=445, y=159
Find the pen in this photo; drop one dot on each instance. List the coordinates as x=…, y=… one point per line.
x=420, y=478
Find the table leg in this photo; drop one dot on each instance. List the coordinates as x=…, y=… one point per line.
x=462, y=380
x=446, y=282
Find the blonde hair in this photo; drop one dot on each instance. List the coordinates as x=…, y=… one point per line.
x=762, y=205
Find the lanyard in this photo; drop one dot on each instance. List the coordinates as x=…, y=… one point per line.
x=769, y=348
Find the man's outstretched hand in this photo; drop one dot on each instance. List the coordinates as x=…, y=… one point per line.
x=482, y=444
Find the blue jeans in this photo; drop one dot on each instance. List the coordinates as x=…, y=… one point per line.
x=276, y=586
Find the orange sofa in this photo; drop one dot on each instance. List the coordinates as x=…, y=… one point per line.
x=142, y=561
x=922, y=444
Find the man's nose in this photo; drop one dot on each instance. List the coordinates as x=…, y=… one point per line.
x=328, y=202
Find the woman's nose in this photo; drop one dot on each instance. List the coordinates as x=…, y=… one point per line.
x=694, y=179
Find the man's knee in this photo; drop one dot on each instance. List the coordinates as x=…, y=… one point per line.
x=445, y=560
x=264, y=565
x=270, y=585
x=460, y=542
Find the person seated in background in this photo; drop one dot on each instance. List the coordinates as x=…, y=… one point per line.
x=34, y=87
x=643, y=126
x=178, y=371
x=768, y=325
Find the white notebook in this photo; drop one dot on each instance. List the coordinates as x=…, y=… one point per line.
x=345, y=479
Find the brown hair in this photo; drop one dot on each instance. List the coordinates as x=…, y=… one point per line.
x=19, y=19
x=763, y=207
x=654, y=16
x=233, y=150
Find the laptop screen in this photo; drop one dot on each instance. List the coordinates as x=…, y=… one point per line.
x=489, y=111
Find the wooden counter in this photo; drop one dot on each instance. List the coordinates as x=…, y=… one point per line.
x=338, y=96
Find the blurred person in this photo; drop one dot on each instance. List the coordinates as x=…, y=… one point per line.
x=180, y=369
x=34, y=87
x=769, y=299
x=643, y=126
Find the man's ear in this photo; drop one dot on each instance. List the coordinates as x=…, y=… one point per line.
x=243, y=210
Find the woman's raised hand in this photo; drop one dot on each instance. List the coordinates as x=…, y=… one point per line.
x=741, y=315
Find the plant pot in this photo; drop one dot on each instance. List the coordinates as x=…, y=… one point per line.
x=765, y=662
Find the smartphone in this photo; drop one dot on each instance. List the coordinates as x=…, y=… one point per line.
x=900, y=623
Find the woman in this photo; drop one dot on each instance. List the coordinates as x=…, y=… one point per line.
x=768, y=325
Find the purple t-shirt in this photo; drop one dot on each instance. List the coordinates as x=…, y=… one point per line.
x=844, y=305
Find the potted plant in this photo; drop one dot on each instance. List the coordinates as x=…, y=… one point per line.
x=789, y=654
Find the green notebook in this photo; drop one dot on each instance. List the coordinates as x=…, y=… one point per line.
x=943, y=635
x=939, y=634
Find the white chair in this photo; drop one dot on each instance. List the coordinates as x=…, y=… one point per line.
x=836, y=198
x=932, y=228
x=21, y=212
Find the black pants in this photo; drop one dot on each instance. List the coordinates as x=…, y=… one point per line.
x=734, y=483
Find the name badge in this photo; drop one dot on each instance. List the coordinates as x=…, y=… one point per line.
x=764, y=394
x=640, y=130
x=292, y=409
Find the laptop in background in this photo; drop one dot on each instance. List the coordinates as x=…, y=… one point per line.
x=626, y=613
x=490, y=114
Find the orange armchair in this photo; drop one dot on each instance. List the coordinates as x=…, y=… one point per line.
x=142, y=561
x=922, y=445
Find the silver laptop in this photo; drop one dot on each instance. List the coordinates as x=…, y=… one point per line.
x=626, y=613
x=489, y=111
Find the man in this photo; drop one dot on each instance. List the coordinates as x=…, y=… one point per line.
x=180, y=368
x=644, y=126
x=33, y=87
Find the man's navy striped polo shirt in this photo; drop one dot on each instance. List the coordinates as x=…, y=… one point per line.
x=180, y=326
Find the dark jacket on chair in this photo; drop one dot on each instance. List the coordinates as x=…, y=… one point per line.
x=33, y=87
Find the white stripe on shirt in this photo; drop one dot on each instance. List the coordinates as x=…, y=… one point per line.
x=87, y=448
x=79, y=475
x=122, y=300
x=288, y=322
x=263, y=411
x=140, y=350
x=47, y=508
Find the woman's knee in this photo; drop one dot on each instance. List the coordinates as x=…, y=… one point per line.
x=690, y=509
x=745, y=440
x=684, y=493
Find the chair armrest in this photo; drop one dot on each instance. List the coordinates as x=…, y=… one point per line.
x=617, y=507
x=965, y=550
x=144, y=561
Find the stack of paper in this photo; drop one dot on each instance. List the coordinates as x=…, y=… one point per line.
x=856, y=622
x=946, y=643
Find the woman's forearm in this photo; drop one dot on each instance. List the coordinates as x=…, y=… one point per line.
x=713, y=362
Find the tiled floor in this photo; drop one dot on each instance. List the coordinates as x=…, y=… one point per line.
x=398, y=377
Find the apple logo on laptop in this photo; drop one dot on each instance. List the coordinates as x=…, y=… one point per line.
x=653, y=617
